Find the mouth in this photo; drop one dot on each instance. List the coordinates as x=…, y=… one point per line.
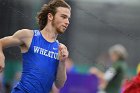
x=65, y=27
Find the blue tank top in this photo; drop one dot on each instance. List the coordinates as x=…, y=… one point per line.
x=40, y=65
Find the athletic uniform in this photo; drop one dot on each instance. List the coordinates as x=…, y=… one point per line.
x=117, y=73
x=40, y=65
x=132, y=86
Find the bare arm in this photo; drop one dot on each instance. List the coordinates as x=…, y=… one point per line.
x=61, y=75
x=104, y=77
x=61, y=72
x=16, y=39
x=97, y=72
x=100, y=75
x=2, y=58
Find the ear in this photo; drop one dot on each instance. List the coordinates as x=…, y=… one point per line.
x=50, y=16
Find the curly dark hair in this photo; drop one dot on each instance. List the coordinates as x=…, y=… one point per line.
x=49, y=8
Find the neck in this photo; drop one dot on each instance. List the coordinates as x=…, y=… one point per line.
x=49, y=33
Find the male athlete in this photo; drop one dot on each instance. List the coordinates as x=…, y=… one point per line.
x=43, y=56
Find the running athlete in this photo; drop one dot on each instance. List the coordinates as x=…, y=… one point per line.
x=43, y=56
x=110, y=81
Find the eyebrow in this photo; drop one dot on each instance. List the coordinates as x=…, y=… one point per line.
x=65, y=15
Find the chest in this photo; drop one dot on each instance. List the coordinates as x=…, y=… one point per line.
x=44, y=49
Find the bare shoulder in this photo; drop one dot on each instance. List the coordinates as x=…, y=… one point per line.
x=24, y=36
x=24, y=33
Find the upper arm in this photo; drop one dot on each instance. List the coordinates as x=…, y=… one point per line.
x=17, y=39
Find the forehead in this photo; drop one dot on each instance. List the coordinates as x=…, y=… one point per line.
x=63, y=10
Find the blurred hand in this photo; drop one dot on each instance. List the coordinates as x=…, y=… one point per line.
x=93, y=70
x=63, y=53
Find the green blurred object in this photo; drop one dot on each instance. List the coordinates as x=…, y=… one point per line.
x=114, y=85
x=82, y=68
x=11, y=67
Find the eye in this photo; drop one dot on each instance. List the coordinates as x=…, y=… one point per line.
x=64, y=17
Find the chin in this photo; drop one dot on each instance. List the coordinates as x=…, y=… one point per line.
x=60, y=31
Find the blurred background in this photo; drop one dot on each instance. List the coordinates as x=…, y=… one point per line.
x=95, y=26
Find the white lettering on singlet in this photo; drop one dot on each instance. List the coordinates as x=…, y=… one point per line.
x=45, y=52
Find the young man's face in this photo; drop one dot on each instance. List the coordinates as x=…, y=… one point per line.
x=61, y=19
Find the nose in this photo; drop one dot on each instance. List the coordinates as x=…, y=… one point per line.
x=67, y=22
